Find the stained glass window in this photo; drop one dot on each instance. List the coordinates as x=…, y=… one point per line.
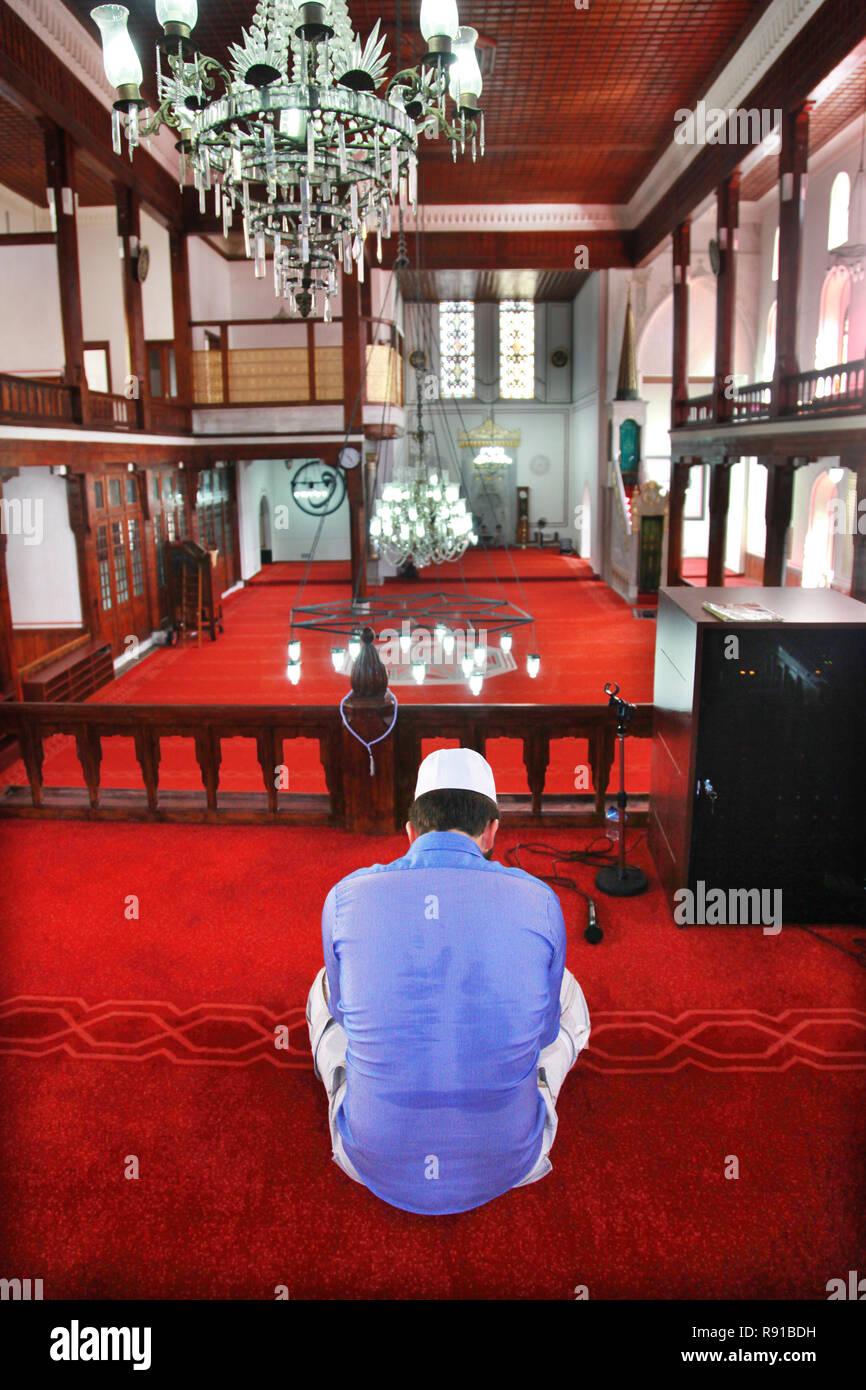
x=517, y=349
x=457, y=348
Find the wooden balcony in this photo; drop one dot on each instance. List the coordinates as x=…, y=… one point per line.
x=826, y=391
x=36, y=402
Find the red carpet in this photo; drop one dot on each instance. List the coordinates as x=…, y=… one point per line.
x=694, y=572
x=586, y=635
x=475, y=565
x=153, y=1037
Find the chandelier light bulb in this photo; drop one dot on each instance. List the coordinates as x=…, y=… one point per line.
x=405, y=642
x=419, y=671
x=355, y=646
x=533, y=664
x=448, y=644
x=183, y=12
x=836, y=475
x=464, y=78
x=293, y=124
x=466, y=666
x=439, y=19
x=338, y=656
x=479, y=657
x=293, y=671
x=476, y=681
x=294, y=650
x=505, y=642
x=122, y=67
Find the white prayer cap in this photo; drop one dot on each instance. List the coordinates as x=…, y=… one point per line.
x=456, y=769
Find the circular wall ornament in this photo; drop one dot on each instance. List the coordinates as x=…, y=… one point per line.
x=317, y=488
x=349, y=457
x=540, y=465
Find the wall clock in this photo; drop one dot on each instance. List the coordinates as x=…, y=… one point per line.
x=349, y=457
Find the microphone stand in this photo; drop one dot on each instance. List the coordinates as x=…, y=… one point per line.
x=621, y=880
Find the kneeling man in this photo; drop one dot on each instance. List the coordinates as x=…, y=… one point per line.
x=444, y=1021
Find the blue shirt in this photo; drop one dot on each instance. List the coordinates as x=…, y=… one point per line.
x=445, y=970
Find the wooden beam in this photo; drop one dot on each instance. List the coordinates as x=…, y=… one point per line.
x=33, y=78
x=129, y=230
x=828, y=38
x=720, y=493
x=26, y=239
x=780, y=493
x=727, y=221
x=676, y=505
x=354, y=364
x=793, y=158
x=60, y=171
x=181, y=313
x=680, y=359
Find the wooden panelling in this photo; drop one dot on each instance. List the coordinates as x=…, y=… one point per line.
x=35, y=646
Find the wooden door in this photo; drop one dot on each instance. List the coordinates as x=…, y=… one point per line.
x=119, y=529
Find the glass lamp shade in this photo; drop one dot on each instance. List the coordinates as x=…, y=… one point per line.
x=293, y=671
x=439, y=18
x=177, y=12
x=354, y=647
x=476, y=681
x=448, y=643
x=835, y=475
x=338, y=656
x=467, y=666
x=505, y=642
x=479, y=656
x=533, y=664
x=122, y=67
x=294, y=650
x=419, y=671
x=465, y=75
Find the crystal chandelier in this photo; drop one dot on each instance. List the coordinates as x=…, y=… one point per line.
x=421, y=516
x=297, y=142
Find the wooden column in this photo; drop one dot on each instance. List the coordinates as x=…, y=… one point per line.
x=680, y=360
x=793, y=157
x=353, y=423
x=129, y=230
x=192, y=476
x=85, y=549
x=780, y=494
x=181, y=314
x=60, y=172
x=676, y=503
x=234, y=520
x=858, y=573
x=727, y=221
x=720, y=491
x=9, y=680
x=144, y=478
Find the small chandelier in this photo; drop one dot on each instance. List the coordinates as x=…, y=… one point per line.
x=298, y=142
x=491, y=462
x=421, y=516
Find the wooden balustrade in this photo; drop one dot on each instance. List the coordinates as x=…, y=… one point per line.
x=270, y=727
x=828, y=390
x=107, y=409
x=753, y=402
x=46, y=402
x=169, y=417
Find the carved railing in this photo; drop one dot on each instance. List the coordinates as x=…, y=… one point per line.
x=753, y=402
x=168, y=417
x=834, y=390
x=694, y=409
x=120, y=412
x=345, y=763
x=828, y=390
x=623, y=509
x=24, y=398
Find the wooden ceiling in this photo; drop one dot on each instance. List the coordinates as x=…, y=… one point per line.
x=431, y=286
x=22, y=163
x=579, y=104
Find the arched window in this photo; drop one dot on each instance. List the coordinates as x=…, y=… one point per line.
x=831, y=345
x=840, y=195
x=774, y=273
x=769, y=364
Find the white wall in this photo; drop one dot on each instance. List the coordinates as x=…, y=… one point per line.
x=102, y=287
x=156, y=290
x=586, y=465
x=42, y=565
x=31, y=338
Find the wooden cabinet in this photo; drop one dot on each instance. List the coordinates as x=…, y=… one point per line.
x=759, y=750
x=72, y=678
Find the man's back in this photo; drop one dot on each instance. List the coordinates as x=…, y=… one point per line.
x=445, y=972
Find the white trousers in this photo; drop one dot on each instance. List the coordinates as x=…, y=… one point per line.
x=328, y=1043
